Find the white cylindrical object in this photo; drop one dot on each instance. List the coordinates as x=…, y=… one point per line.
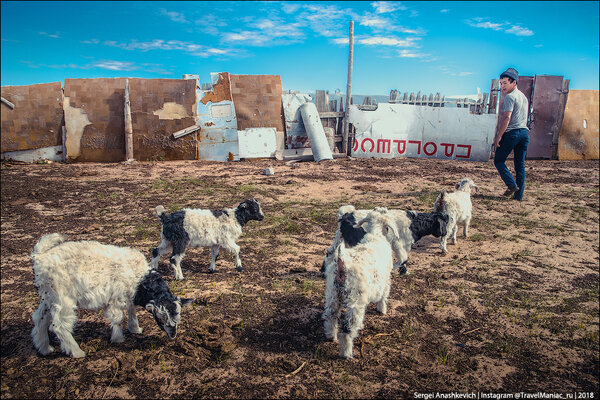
x=315, y=132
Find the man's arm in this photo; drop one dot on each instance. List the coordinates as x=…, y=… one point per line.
x=502, y=127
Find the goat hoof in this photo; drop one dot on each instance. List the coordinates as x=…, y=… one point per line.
x=212, y=271
x=78, y=354
x=403, y=270
x=239, y=268
x=46, y=351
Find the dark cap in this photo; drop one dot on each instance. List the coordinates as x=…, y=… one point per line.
x=510, y=73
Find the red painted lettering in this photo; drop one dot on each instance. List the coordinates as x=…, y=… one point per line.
x=403, y=143
x=446, y=145
x=468, y=146
x=362, y=146
x=383, y=142
x=434, y=148
x=417, y=142
x=355, y=145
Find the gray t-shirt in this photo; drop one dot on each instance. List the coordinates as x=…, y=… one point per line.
x=516, y=102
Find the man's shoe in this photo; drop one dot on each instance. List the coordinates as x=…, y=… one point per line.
x=510, y=192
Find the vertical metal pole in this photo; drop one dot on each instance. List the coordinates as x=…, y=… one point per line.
x=348, y=90
x=128, y=125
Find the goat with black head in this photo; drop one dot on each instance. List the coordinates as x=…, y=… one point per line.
x=203, y=228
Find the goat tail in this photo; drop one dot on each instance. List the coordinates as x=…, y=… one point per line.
x=160, y=210
x=46, y=243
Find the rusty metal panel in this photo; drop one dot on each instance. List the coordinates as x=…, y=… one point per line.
x=221, y=88
x=95, y=119
x=35, y=121
x=579, y=134
x=159, y=108
x=257, y=100
x=218, y=138
x=545, y=116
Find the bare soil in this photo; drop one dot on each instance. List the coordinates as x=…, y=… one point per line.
x=513, y=307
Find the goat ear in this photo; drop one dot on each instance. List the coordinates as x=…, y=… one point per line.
x=150, y=306
x=389, y=226
x=457, y=186
x=359, y=223
x=186, y=302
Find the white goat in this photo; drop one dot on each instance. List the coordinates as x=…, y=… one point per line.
x=457, y=205
x=94, y=276
x=411, y=227
x=200, y=228
x=358, y=276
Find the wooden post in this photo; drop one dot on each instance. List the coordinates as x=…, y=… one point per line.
x=493, y=97
x=348, y=89
x=128, y=126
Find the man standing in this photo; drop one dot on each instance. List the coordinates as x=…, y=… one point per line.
x=512, y=134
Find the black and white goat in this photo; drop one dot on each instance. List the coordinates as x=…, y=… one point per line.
x=357, y=276
x=203, y=228
x=410, y=226
x=90, y=275
x=457, y=205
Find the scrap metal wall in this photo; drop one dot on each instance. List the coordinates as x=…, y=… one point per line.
x=35, y=121
x=257, y=101
x=160, y=107
x=579, y=135
x=95, y=119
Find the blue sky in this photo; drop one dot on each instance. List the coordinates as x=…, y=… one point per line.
x=447, y=47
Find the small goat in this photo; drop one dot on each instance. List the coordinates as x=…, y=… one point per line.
x=357, y=276
x=94, y=276
x=457, y=205
x=411, y=227
x=203, y=228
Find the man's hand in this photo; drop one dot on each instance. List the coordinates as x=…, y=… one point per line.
x=497, y=141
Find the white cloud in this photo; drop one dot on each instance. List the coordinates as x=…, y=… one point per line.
x=52, y=35
x=91, y=41
x=519, y=31
x=388, y=41
x=445, y=10
x=174, y=15
x=453, y=72
x=539, y=45
x=290, y=8
x=507, y=27
x=381, y=24
x=486, y=25
x=413, y=54
x=115, y=65
x=156, y=44
x=373, y=21
x=382, y=7
x=210, y=24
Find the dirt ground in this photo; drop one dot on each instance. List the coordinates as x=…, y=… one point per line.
x=512, y=308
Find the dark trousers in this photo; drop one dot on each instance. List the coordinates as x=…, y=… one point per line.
x=517, y=140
